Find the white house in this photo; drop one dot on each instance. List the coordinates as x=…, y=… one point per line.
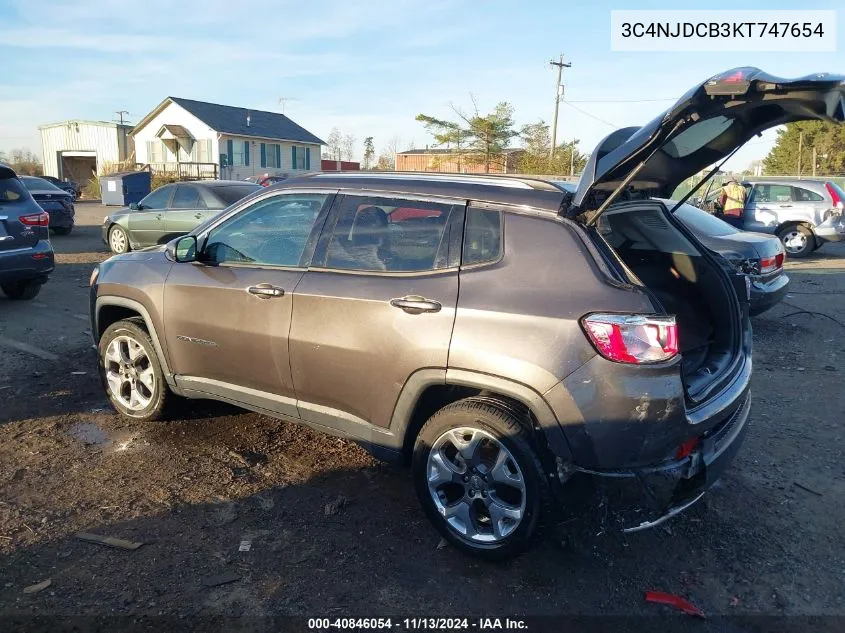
x=207, y=140
x=79, y=150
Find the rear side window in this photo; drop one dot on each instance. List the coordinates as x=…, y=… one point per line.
x=11, y=190
x=389, y=235
x=482, y=236
x=805, y=195
x=772, y=193
x=187, y=197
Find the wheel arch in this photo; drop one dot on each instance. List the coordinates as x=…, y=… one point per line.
x=111, y=309
x=789, y=223
x=428, y=390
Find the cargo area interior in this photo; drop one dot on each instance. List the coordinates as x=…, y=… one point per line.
x=687, y=285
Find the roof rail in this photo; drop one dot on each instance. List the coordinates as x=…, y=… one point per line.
x=502, y=180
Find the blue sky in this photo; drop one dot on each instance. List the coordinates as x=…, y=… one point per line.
x=366, y=67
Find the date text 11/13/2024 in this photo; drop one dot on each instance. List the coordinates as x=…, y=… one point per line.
x=418, y=624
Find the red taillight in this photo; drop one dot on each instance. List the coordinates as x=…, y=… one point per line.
x=36, y=219
x=686, y=449
x=735, y=78
x=771, y=264
x=834, y=195
x=633, y=338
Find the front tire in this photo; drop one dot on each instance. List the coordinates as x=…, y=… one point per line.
x=62, y=230
x=22, y=290
x=131, y=372
x=798, y=241
x=118, y=240
x=479, y=479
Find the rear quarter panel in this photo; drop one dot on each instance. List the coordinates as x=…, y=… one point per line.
x=519, y=318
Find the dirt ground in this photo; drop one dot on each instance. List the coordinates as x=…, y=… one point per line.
x=329, y=531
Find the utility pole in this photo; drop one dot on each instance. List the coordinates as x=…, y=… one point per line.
x=814, y=161
x=800, y=147
x=558, y=94
x=120, y=113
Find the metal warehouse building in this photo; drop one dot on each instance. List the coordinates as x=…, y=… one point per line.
x=79, y=150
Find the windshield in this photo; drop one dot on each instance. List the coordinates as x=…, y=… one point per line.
x=701, y=221
x=232, y=194
x=38, y=184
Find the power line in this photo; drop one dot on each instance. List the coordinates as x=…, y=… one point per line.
x=592, y=116
x=620, y=100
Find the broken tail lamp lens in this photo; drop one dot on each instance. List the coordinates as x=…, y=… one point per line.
x=633, y=338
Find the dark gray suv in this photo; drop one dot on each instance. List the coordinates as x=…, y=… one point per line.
x=488, y=330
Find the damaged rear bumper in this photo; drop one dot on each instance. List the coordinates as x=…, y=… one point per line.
x=654, y=494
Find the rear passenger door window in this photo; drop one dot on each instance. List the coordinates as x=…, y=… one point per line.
x=772, y=194
x=381, y=234
x=187, y=197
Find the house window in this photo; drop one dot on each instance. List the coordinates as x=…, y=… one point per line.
x=202, y=151
x=155, y=151
x=299, y=157
x=237, y=153
x=270, y=155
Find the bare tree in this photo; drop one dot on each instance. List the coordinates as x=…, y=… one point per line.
x=334, y=145
x=348, y=147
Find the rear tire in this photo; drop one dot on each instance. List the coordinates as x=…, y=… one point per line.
x=479, y=479
x=118, y=240
x=131, y=372
x=62, y=230
x=798, y=241
x=22, y=290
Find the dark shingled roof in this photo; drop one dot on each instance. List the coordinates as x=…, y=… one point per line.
x=231, y=120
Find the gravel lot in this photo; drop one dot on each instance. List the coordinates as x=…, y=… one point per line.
x=333, y=532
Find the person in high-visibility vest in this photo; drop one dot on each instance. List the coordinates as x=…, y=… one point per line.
x=732, y=200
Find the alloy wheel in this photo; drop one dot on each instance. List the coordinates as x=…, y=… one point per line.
x=129, y=373
x=476, y=485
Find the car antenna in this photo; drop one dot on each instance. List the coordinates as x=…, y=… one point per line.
x=705, y=179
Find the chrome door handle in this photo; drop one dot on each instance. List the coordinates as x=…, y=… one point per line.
x=414, y=304
x=198, y=216
x=266, y=291
x=158, y=216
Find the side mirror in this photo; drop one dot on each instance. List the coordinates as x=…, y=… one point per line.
x=183, y=249
x=134, y=206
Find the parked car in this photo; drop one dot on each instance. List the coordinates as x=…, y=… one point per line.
x=69, y=186
x=758, y=255
x=804, y=214
x=170, y=211
x=57, y=203
x=332, y=300
x=26, y=256
x=269, y=181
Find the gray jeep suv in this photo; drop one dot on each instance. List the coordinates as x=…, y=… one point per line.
x=488, y=330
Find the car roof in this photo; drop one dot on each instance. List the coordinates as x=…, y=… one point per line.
x=509, y=190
